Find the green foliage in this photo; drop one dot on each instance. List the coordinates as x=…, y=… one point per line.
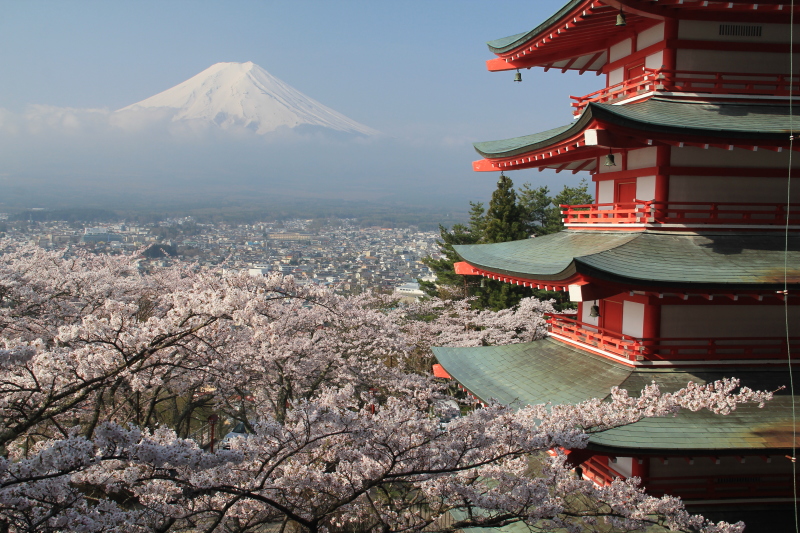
x=509, y=217
x=542, y=212
x=504, y=219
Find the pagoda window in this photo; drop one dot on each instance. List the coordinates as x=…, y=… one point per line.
x=748, y=62
x=731, y=189
x=720, y=321
x=691, y=156
x=703, y=30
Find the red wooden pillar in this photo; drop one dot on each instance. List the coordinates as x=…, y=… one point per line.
x=670, y=36
x=651, y=328
x=663, y=162
x=641, y=468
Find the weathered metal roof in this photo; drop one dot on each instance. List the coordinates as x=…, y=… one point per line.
x=548, y=371
x=505, y=44
x=662, y=115
x=650, y=258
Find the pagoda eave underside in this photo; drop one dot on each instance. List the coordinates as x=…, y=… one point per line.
x=604, y=127
x=578, y=38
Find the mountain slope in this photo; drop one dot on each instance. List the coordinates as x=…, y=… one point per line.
x=244, y=94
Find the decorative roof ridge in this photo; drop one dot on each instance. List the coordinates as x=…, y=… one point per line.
x=506, y=44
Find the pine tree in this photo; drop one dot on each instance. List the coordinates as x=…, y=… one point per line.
x=504, y=219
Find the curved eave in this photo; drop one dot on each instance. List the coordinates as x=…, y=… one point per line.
x=576, y=37
x=654, y=121
x=547, y=371
x=689, y=261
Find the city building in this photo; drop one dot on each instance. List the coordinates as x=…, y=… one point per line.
x=687, y=267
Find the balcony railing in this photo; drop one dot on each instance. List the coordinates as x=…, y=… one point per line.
x=729, y=83
x=682, y=213
x=672, y=348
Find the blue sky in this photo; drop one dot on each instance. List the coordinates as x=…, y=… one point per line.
x=411, y=69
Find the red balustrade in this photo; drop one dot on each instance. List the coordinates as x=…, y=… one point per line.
x=601, y=338
x=683, y=213
x=672, y=348
x=693, y=81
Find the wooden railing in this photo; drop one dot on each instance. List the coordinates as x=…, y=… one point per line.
x=693, y=81
x=684, y=213
x=672, y=348
x=601, y=338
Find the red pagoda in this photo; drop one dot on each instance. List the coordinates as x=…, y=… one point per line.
x=687, y=266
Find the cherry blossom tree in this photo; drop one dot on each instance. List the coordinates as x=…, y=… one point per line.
x=105, y=373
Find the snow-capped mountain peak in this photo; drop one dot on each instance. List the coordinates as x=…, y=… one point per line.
x=245, y=94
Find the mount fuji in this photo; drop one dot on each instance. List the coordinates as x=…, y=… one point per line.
x=245, y=95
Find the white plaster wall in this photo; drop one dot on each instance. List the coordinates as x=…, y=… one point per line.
x=620, y=50
x=728, y=189
x=586, y=308
x=690, y=156
x=650, y=36
x=733, y=61
x=642, y=158
x=699, y=30
x=623, y=466
x=632, y=319
x=707, y=321
x=615, y=77
x=603, y=168
x=646, y=188
x=605, y=193
x=654, y=60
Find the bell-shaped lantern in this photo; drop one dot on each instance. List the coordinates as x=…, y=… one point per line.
x=610, y=160
x=594, y=311
x=621, y=19
x=518, y=76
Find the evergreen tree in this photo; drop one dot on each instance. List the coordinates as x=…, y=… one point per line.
x=508, y=218
x=448, y=283
x=504, y=219
x=542, y=213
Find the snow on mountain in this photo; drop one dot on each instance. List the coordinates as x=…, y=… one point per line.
x=244, y=94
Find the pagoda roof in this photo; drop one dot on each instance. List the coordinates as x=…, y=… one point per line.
x=548, y=371
x=651, y=259
x=681, y=119
x=577, y=35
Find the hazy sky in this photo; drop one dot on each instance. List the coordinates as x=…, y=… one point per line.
x=412, y=69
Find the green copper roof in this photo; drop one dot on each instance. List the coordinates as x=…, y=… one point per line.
x=505, y=44
x=715, y=121
x=549, y=371
x=531, y=373
x=656, y=259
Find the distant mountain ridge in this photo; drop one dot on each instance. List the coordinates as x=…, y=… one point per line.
x=246, y=95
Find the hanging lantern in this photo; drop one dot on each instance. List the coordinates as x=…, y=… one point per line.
x=610, y=160
x=594, y=312
x=518, y=76
x=621, y=19
x=483, y=283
